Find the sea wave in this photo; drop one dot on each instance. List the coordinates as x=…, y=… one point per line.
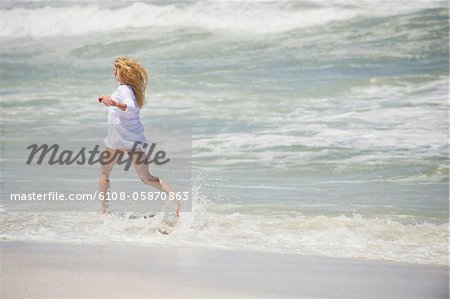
x=333, y=236
x=41, y=19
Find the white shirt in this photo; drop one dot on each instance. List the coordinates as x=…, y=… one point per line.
x=124, y=127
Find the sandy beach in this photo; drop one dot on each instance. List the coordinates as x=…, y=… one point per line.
x=46, y=270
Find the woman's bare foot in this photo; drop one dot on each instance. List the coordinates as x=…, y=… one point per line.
x=172, y=215
x=104, y=208
x=170, y=218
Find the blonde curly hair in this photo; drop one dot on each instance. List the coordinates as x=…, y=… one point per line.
x=132, y=73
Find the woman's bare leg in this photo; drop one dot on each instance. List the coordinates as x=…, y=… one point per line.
x=148, y=179
x=104, y=183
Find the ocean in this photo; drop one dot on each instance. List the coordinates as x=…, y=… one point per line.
x=317, y=127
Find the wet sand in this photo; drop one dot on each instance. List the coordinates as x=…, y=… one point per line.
x=56, y=270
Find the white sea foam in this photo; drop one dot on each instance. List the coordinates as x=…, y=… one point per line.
x=249, y=17
x=338, y=236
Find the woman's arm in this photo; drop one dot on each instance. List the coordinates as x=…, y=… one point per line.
x=106, y=100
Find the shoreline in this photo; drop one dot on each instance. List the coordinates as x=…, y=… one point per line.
x=53, y=270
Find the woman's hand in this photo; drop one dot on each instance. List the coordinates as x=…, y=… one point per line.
x=106, y=100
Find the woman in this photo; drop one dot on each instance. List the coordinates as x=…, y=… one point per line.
x=125, y=128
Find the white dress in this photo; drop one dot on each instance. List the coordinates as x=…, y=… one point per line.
x=124, y=127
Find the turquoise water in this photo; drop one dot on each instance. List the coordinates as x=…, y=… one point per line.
x=317, y=128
